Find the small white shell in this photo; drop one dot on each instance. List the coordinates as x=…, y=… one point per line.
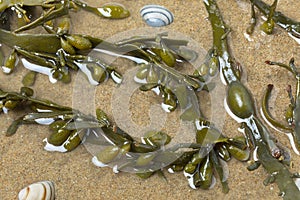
x=43, y=190
x=156, y=16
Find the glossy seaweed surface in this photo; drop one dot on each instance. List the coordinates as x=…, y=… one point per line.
x=218, y=159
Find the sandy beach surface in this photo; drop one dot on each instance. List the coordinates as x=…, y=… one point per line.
x=24, y=161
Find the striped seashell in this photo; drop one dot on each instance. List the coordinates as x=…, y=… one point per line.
x=156, y=16
x=43, y=190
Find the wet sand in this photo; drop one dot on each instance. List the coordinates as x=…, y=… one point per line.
x=24, y=161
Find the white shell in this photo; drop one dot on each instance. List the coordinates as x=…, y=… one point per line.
x=43, y=190
x=156, y=16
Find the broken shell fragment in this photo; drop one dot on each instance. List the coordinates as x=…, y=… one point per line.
x=156, y=16
x=43, y=190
